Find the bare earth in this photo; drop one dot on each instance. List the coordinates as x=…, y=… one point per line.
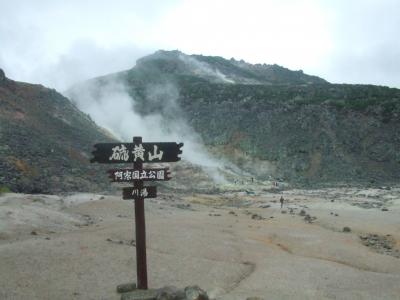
x=233, y=245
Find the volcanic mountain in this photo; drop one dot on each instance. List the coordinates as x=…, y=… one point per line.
x=270, y=121
x=46, y=141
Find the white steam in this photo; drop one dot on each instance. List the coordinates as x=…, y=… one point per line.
x=114, y=109
x=202, y=69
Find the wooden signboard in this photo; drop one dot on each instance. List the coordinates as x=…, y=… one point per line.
x=112, y=153
x=138, y=153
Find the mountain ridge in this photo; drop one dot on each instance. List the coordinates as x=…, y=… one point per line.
x=290, y=125
x=45, y=141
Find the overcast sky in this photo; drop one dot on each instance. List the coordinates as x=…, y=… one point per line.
x=58, y=42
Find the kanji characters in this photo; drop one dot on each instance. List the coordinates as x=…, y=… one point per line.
x=143, y=175
x=127, y=175
x=136, y=174
x=152, y=174
x=138, y=152
x=118, y=175
x=155, y=154
x=160, y=174
x=119, y=153
x=144, y=193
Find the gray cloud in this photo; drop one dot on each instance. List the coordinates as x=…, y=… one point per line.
x=58, y=43
x=366, y=48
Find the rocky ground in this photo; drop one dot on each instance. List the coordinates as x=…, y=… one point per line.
x=323, y=244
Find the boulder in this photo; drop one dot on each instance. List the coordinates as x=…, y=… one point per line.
x=170, y=293
x=195, y=293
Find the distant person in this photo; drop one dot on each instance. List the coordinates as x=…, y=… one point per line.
x=281, y=201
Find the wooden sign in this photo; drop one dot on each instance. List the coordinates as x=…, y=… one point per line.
x=138, y=153
x=136, y=193
x=110, y=153
x=129, y=175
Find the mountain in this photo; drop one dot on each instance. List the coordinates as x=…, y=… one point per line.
x=46, y=141
x=271, y=121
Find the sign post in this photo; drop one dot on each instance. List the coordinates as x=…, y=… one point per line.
x=138, y=153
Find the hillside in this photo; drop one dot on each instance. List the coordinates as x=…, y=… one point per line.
x=271, y=121
x=45, y=141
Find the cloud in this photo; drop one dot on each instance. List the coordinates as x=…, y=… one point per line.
x=55, y=42
x=366, y=47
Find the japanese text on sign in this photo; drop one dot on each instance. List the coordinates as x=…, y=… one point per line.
x=121, y=153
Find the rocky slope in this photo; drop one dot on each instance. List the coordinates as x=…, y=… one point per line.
x=273, y=122
x=45, y=141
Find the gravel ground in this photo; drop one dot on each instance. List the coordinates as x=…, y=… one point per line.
x=234, y=245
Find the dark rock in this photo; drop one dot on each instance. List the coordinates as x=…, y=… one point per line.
x=195, y=293
x=309, y=218
x=2, y=75
x=126, y=287
x=170, y=293
x=265, y=206
x=149, y=294
x=380, y=244
x=33, y=232
x=385, y=209
x=183, y=206
x=214, y=215
x=302, y=213
x=257, y=217
x=346, y=229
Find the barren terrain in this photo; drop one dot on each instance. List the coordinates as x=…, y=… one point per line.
x=234, y=244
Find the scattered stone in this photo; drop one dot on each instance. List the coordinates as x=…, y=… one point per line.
x=384, y=209
x=121, y=242
x=309, y=219
x=381, y=244
x=214, y=215
x=170, y=293
x=126, y=287
x=332, y=200
x=302, y=213
x=33, y=232
x=47, y=238
x=257, y=217
x=368, y=204
x=265, y=206
x=232, y=213
x=149, y=294
x=254, y=298
x=283, y=212
x=346, y=229
x=195, y=293
x=183, y=206
x=173, y=293
x=336, y=215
